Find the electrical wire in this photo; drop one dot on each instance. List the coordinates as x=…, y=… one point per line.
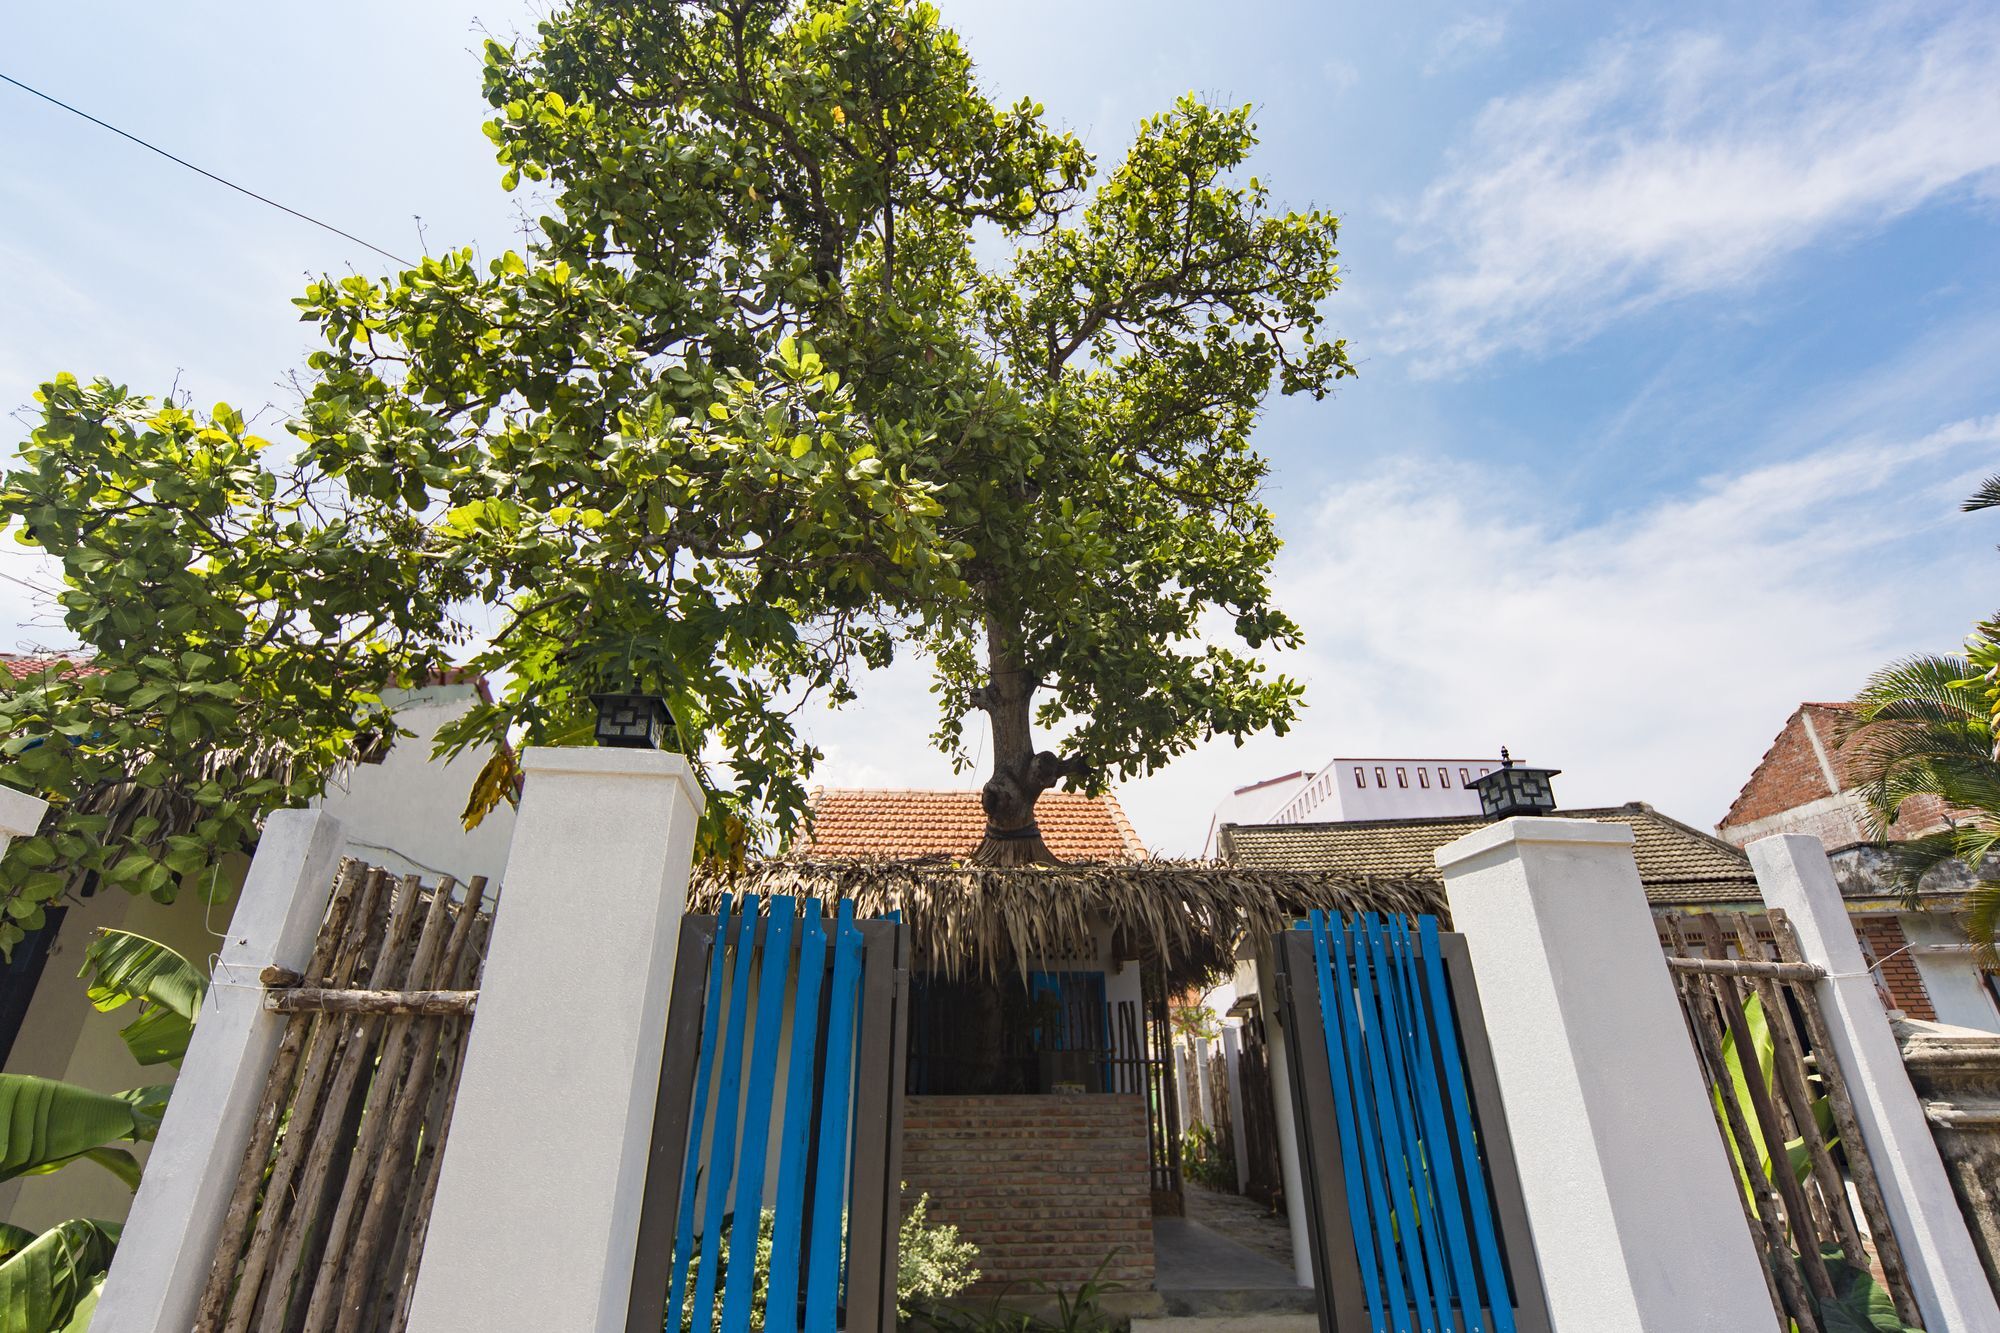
x=219, y=180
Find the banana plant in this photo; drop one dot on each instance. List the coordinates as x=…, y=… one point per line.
x=49, y=1282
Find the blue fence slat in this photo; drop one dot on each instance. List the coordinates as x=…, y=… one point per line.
x=740, y=1286
x=781, y=1301
x=1423, y=1183
x=830, y=1172
x=691, y=1165
x=1398, y=1131
x=1499, y=1299
x=1332, y=1022
x=1437, y=1138
x=722, y=1144
x=1353, y=984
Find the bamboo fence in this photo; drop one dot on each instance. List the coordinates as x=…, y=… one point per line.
x=326, y=1226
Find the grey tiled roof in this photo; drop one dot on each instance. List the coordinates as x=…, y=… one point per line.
x=1678, y=865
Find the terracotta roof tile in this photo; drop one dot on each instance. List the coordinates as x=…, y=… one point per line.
x=856, y=821
x=1677, y=864
x=19, y=667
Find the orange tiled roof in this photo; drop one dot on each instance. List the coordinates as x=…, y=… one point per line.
x=859, y=821
x=19, y=667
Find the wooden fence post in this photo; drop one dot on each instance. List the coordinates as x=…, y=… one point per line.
x=1944, y=1269
x=1629, y=1193
x=536, y=1222
x=170, y=1236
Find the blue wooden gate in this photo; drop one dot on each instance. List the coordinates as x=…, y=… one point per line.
x=779, y=1123
x=1409, y=1177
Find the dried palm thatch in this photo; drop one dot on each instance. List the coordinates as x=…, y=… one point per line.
x=968, y=920
x=123, y=802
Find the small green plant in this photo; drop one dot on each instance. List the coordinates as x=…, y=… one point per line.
x=1075, y=1312
x=933, y=1265
x=1205, y=1158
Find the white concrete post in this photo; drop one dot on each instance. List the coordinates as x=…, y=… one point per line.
x=1289, y=1171
x=1629, y=1194
x=20, y=815
x=537, y=1215
x=176, y=1219
x=1232, y=1057
x=1945, y=1273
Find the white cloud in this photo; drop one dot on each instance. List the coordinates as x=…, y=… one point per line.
x=1465, y=39
x=1693, y=162
x=1651, y=655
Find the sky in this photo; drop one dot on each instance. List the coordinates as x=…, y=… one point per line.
x=1677, y=329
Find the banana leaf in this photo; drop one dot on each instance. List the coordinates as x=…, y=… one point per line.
x=45, y=1125
x=46, y=1281
x=1859, y=1304
x=124, y=967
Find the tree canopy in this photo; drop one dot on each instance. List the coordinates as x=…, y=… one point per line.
x=817, y=355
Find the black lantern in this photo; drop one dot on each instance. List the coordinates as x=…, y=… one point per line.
x=1511, y=790
x=632, y=721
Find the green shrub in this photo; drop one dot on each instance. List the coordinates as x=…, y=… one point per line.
x=1205, y=1158
x=933, y=1265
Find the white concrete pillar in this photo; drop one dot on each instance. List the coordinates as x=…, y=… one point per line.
x=176, y=1219
x=1232, y=1055
x=537, y=1213
x=1945, y=1273
x=1289, y=1171
x=1629, y=1194
x=20, y=815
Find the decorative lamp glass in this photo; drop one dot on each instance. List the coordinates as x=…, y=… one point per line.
x=1513, y=789
x=632, y=721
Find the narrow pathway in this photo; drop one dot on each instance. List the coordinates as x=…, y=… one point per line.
x=1244, y=1221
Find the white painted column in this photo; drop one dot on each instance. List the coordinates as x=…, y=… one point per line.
x=1945, y=1273
x=20, y=815
x=176, y=1219
x=1629, y=1193
x=537, y=1213
x=1289, y=1171
x=1232, y=1055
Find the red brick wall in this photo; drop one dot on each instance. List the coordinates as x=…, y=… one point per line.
x=1883, y=941
x=1046, y=1187
x=1789, y=776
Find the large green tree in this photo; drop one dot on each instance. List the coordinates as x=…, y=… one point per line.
x=1005, y=402
x=817, y=355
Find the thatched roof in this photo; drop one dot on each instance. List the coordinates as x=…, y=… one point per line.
x=987, y=920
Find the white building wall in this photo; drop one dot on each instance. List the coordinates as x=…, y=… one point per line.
x=404, y=814
x=1952, y=974
x=1359, y=788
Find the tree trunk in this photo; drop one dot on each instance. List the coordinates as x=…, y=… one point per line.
x=1020, y=773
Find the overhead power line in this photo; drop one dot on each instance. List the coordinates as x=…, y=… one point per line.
x=219, y=180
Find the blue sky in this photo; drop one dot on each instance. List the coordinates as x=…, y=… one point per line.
x=1677, y=325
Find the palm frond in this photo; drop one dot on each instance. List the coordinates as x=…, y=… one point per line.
x=1982, y=920
x=1986, y=497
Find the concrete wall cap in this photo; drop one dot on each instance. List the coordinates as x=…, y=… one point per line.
x=597, y=761
x=1532, y=828
x=20, y=813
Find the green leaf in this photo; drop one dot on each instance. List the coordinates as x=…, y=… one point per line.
x=46, y=1124
x=45, y=1283
x=123, y=967
x=1859, y=1303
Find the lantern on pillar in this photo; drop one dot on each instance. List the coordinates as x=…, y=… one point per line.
x=1515, y=789
x=632, y=721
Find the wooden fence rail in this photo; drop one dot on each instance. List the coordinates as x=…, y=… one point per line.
x=326, y=1227
x=1783, y=1109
